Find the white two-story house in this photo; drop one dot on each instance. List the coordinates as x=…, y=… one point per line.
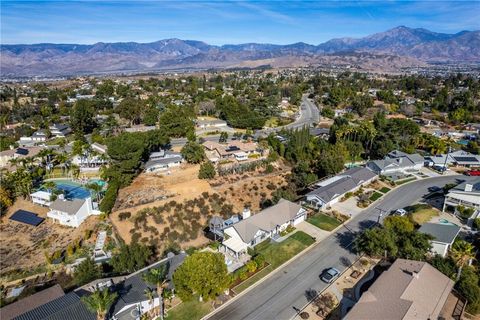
x=73, y=212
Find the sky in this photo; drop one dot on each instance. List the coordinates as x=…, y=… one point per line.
x=224, y=22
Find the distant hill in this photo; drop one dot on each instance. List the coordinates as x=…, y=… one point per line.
x=402, y=45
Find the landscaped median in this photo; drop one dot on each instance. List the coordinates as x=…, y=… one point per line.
x=276, y=254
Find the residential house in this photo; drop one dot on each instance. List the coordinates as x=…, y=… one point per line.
x=67, y=306
x=132, y=302
x=407, y=290
x=163, y=160
x=397, y=162
x=31, y=302
x=455, y=158
x=330, y=191
x=443, y=236
x=234, y=149
x=18, y=153
x=60, y=130
x=268, y=223
x=211, y=124
x=466, y=194
x=37, y=136
x=73, y=212
x=94, y=158
x=41, y=198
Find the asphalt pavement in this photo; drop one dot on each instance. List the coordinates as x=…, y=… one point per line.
x=280, y=295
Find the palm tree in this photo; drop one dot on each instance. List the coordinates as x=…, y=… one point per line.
x=462, y=252
x=62, y=161
x=158, y=276
x=75, y=170
x=100, y=302
x=150, y=296
x=96, y=188
x=50, y=186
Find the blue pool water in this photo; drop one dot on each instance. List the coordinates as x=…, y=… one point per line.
x=463, y=142
x=74, y=190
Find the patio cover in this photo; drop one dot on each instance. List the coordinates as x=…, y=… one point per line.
x=235, y=244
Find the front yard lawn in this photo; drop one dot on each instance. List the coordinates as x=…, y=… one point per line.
x=424, y=215
x=384, y=190
x=323, y=221
x=276, y=254
x=375, y=196
x=193, y=309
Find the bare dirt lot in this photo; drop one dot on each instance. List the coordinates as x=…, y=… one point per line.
x=23, y=247
x=173, y=210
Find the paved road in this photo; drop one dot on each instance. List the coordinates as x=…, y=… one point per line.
x=278, y=295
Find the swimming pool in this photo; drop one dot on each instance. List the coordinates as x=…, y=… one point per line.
x=75, y=190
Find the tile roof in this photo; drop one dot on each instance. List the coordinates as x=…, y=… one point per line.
x=407, y=290
x=31, y=302
x=68, y=307
x=267, y=219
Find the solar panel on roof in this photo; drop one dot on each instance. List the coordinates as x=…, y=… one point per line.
x=232, y=148
x=22, y=151
x=26, y=217
x=466, y=159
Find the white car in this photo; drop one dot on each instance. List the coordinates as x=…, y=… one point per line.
x=400, y=212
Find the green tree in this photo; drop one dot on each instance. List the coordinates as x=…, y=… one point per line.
x=131, y=109
x=158, y=277
x=100, y=302
x=82, y=118
x=202, y=273
x=207, y=170
x=223, y=137
x=131, y=258
x=178, y=121
x=376, y=242
x=462, y=252
x=86, y=271
x=193, y=152
x=399, y=225
x=469, y=287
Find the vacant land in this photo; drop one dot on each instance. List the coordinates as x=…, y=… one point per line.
x=276, y=254
x=23, y=247
x=323, y=221
x=173, y=210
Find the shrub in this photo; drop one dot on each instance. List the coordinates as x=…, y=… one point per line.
x=124, y=215
x=259, y=260
x=251, y=266
x=110, y=197
x=476, y=223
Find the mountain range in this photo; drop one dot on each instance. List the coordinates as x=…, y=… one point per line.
x=395, y=48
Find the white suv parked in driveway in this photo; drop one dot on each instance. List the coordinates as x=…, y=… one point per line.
x=400, y=212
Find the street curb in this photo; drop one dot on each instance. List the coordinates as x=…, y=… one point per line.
x=271, y=273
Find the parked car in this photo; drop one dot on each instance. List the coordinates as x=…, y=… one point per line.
x=400, y=212
x=329, y=275
x=435, y=189
x=473, y=173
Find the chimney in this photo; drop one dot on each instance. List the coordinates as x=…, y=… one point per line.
x=468, y=187
x=246, y=213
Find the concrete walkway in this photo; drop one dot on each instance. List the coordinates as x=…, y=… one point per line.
x=312, y=230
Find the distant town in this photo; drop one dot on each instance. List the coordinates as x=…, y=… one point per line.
x=270, y=193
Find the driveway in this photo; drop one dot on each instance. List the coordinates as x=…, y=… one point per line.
x=283, y=292
x=310, y=229
x=348, y=207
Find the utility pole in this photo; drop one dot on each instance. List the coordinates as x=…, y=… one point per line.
x=446, y=159
x=382, y=211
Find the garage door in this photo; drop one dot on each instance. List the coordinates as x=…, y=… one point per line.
x=298, y=220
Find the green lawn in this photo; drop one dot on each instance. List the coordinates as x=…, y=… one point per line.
x=276, y=254
x=384, y=190
x=323, y=221
x=189, y=310
x=376, y=196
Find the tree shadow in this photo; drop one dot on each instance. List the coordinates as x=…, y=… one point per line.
x=311, y=294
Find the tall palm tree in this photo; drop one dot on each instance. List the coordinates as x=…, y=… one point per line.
x=96, y=188
x=100, y=302
x=150, y=296
x=62, y=160
x=158, y=276
x=75, y=170
x=50, y=186
x=462, y=252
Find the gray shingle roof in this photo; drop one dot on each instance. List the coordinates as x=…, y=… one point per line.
x=444, y=233
x=168, y=160
x=68, y=206
x=267, y=219
x=31, y=302
x=67, y=307
x=349, y=180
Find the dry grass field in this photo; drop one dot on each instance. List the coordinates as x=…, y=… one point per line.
x=23, y=247
x=172, y=210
